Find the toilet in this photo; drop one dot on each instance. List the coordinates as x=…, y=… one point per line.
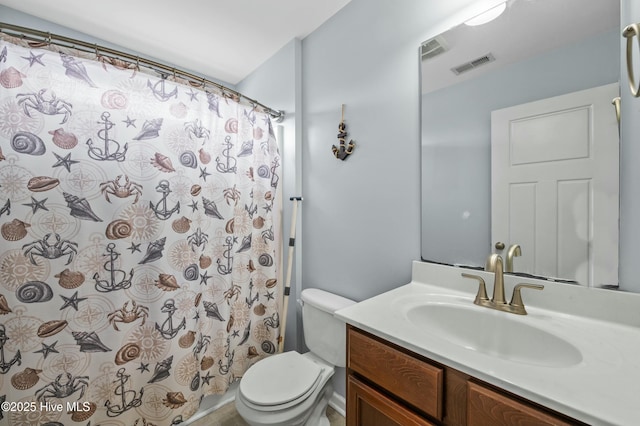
x=292, y=388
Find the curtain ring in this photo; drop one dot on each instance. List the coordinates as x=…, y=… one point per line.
x=629, y=33
x=48, y=38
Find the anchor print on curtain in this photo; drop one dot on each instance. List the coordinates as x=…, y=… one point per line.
x=140, y=240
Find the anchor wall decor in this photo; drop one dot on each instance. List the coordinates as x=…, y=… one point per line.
x=343, y=150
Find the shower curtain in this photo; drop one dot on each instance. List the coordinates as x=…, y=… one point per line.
x=141, y=241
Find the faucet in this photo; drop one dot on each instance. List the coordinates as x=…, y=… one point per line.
x=494, y=264
x=514, y=251
x=498, y=301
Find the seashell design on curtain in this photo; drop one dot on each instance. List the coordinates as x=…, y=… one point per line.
x=140, y=244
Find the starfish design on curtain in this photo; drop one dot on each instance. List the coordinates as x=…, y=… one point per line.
x=47, y=349
x=34, y=59
x=65, y=161
x=37, y=205
x=72, y=301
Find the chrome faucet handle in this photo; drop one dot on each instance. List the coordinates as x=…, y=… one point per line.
x=481, y=296
x=516, y=305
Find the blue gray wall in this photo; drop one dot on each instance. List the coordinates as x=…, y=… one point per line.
x=629, y=155
x=362, y=216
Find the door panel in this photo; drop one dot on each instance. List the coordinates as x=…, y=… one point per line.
x=555, y=190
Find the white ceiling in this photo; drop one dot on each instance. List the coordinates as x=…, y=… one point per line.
x=527, y=28
x=220, y=39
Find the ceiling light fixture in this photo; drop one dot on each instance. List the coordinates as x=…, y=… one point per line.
x=488, y=15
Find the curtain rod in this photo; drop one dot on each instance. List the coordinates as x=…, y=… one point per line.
x=68, y=42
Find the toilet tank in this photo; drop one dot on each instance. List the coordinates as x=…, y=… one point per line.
x=324, y=334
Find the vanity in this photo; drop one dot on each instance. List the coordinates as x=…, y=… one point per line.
x=417, y=390
x=425, y=354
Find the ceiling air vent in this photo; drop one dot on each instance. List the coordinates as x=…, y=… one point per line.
x=468, y=66
x=433, y=47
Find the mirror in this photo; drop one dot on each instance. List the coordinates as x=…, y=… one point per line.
x=535, y=50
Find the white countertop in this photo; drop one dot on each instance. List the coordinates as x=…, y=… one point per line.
x=602, y=389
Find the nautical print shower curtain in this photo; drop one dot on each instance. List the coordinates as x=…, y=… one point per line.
x=140, y=240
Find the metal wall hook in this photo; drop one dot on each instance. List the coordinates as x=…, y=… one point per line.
x=629, y=33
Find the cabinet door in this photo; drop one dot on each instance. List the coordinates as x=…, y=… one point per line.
x=487, y=407
x=368, y=407
x=405, y=376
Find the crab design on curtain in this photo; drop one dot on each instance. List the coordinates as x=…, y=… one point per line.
x=140, y=249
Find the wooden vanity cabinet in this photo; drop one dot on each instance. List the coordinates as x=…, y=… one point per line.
x=388, y=385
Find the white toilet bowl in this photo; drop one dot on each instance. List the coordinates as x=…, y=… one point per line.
x=290, y=388
x=286, y=389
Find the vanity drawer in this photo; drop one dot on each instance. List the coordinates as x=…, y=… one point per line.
x=399, y=373
x=488, y=407
x=368, y=407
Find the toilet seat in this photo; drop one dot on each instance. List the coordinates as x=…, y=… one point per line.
x=280, y=381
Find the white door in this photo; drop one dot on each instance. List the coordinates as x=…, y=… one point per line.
x=554, y=185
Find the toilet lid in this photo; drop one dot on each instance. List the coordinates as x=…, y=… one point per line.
x=280, y=379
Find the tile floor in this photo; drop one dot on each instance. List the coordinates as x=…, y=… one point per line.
x=227, y=416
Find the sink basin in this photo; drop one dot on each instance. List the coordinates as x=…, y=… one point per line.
x=494, y=333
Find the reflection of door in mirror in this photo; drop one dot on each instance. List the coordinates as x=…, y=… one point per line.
x=532, y=62
x=554, y=172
